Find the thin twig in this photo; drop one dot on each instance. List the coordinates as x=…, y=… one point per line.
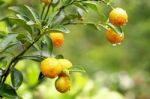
x=49, y=5
x=43, y=9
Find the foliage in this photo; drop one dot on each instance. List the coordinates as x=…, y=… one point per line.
x=23, y=28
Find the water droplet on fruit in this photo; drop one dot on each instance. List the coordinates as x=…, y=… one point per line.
x=114, y=45
x=119, y=43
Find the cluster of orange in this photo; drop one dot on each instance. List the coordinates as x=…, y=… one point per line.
x=52, y=68
x=117, y=17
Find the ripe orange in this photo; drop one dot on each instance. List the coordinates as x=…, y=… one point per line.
x=114, y=37
x=118, y=17
x=63, y=84
x=57, y=38
x=65, y=63
x=50, y=67
x=46, y=1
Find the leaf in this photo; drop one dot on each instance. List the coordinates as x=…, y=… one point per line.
x=34, y=58
x=58, y=18
x=19, y=9
x=41, y=77
x=59, y=56
x=110, y=1
x=60, y=29
x=77, y=69
x=102, y=15
x=25, y=11
x=91, y=4
x=16, y=78
x=1, y=3
x=34, y=15
x=3, y=63
x=7, y=40
x=116, y=29
x=49, y=44
x=7, y=91
x=66, y=2
x=81, y=6
x=31, y=40
x=2, y=34
x=1, y=72
x=21, y=23
x=55, y=2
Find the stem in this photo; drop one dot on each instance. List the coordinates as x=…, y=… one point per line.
x=64, y=6
x=106, y=3
x=43, y=9
x=15, y=60
x=86, y=23
x=48, y=10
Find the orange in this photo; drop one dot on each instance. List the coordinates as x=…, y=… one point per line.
x=57, y=38
x=46, y=1
x=114, y=37
x=65, y=63
x=50, y=67
x=63, y=84
x=118, y=17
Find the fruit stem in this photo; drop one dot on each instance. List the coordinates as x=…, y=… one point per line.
x=86, y=23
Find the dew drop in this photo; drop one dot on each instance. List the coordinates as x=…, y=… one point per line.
x=119, y=43
x=114, y=45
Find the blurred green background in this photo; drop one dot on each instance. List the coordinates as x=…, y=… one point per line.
x=121, y=72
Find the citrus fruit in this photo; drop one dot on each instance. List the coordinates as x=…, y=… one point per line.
x=50, y=67
x=118, y=17
x=57, y=38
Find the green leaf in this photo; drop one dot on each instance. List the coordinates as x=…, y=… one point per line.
x=59, y=56
x=19, y=9
x=116, y=29
x=49, y=44
x=41, y=77
x=34, y=58
x=77, y=69
x=81, y=6
x=31, y=40
x=110, y=1
x=66, y=2
x=60, y=28
x=91, y=4
x=1, y=3
x=3, y=63
x=26, y=13
x=1, y=72
x=7, y=40
x=7, y=91
x=58, y=19
x=16, y=78
x=102, y=15
x=55, y=2
x=34, y=14
x=2, y=34
x=21, y=23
